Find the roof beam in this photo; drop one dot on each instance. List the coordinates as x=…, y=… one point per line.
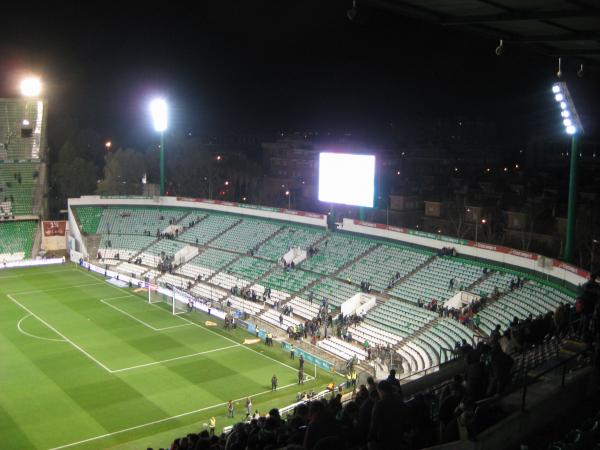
x=520, y=15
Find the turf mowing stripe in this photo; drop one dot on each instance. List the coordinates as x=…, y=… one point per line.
x=175, y=358
x=58, y=332
x=41, y=291
x=166, y=419
x=204, y=328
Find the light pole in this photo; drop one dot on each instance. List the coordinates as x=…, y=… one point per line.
x=483, y=222
x=594, y=242
x=573, y=128
x=288, y=194
x=158, y=108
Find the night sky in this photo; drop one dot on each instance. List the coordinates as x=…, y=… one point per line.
x=253, y=66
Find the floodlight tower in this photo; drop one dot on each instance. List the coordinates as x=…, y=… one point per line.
x=158, y=109
x=572, y=124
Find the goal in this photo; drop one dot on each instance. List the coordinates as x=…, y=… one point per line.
x=160, y=292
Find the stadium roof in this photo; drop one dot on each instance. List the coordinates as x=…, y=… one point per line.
x=552, y=27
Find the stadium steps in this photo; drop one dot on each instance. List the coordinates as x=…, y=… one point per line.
x=92, y=243
x=350, y=263
x=480, y=280
x=257, y=246
x=37, y=243
x=411, y=273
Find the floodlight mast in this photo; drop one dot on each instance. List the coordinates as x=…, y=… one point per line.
x=158, y=109
x=573, y=128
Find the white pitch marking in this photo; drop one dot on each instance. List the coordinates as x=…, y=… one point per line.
x=33, y=335
x=59, y=333
x=173, y=359
x=139, y=320
x=166, y=419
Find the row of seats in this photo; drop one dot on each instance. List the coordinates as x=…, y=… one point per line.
x=272, y=316
x=367, y=332
x=249, y=268
x=16, y=240
x=276, y=295
x=19, y=194
x=290, y=281
x=335, y=291
x=399, y=318
x=304, y=308
x=227, y=281
x=137, y=220
x=246, y=235
x=208, y=228
x=244, y=305
x=89, y=218
x=336, y=251
x=15, y=143
x=208, y=291
x=131, y=269
x=289, y=237
x=382, y=264
x=342, y=349
x=433, y=281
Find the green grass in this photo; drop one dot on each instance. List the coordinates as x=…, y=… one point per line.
x=89, y=364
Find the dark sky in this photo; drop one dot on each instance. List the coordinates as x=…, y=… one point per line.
x=232, y=66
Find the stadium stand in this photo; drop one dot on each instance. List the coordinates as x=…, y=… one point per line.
x=138, y=220
x=22, y=125
x=16, y=240
x=208, y=228
x=334, y=252
x=433, y=281
x=206, y=263
x=17, y=182
x=244, y=305
x=290, y=281
x=246, y=235
x=385, y=263
x=248, y=268
x=89, y=218
x=125, y=245
x=334, y=291
x=289, y=237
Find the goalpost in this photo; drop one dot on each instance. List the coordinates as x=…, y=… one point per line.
x=164, y=292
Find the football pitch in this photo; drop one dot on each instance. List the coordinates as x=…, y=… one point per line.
x=87, y=365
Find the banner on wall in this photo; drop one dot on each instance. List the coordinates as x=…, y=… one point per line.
x=54, y=227
x=54, y=235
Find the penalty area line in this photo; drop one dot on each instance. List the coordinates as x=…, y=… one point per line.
x=166, y=419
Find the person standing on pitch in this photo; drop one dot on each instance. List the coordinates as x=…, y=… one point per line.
x=301, y=362
x=292, y=351
x=248, y=407
x=230, y=409
x=274, y=383
x=300, y=376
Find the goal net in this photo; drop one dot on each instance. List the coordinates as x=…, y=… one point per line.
x=177, y=299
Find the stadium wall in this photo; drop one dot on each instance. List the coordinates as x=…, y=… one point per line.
x=543, y=266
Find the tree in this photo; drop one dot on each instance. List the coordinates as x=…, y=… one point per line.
x=71, y=176
x=123, y=172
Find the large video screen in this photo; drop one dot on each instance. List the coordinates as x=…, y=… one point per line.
x=347, y=179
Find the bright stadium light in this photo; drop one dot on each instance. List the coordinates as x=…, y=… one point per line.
x=31, y=87
x=158, y=108
x=573, y=127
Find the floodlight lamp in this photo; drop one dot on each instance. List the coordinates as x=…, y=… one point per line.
x=556, y=89
x=25, y=123
x=571, y=129
x=559, y=97
x=567, y=122
x=565, y=114
x=563, y=105
x=31, y=87
x=158, y=109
